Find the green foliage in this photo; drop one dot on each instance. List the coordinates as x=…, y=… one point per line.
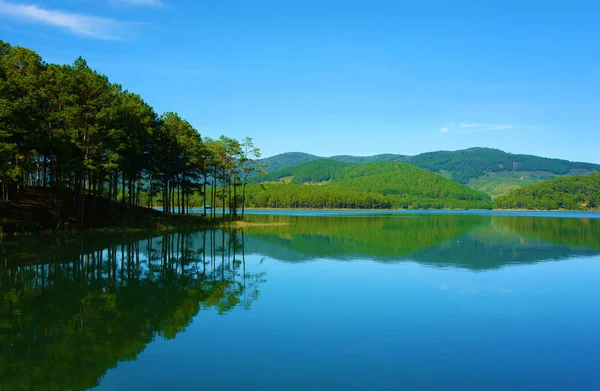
x=498, y=183
x=300, y=196
x=581, y=192
x=69, y=127
x=490, y=170
x=404, y=179
x=287, y=159
x=385, y=157
x=472, y=163
x=369, y=185
x=312, y=171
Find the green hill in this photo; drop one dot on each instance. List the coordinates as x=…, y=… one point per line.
x=313, y=171
x=330, y=183
x=489, y=170
x=287, y=159
x=580, y=192
x=497, y=172
x=386, y=157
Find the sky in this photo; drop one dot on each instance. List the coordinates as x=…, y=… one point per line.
x=333, y=77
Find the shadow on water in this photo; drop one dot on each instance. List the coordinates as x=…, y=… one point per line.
x=69, y=313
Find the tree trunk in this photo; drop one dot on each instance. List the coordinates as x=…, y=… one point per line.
x=204, y=191
x=223, y=192
x=123, y=194
x=213, y=210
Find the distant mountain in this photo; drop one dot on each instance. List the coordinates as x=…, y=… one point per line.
x=287, y=159
x=571, y=192
x=386, y=157
x=312, y=171
x=331, y=183
x=490, y=170
x=467, y=164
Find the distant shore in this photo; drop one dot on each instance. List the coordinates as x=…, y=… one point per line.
x=19, y=220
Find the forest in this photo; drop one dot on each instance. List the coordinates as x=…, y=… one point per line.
x=70, y=129
x=327, y=183
x=492, y=171
x=579, y=192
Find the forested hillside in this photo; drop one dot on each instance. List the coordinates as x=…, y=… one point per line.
x=580, y=192
x=386, y=157
x=490, y=170
x=329, y=183
x=284, y=160
x=313, y=171
x=465, y=165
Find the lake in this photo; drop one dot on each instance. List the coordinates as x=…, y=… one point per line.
x=314, y=300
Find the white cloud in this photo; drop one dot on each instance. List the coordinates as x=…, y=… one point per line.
x=83, y=25
x=147, y=3
x=489, y=126
x=469, y=125
x=474, y=127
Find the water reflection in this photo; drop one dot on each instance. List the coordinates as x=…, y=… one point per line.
x=72, y=309
x=476, y=242
x=69, y=315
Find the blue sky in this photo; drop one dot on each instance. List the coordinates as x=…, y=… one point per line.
x=344, y=77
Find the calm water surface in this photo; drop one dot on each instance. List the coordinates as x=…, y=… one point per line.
x=321, y=301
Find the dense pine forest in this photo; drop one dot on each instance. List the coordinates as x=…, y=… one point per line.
x=492, y=171
x=71, y=130
x=580, y=192
x=328, y=183
x=472, y=163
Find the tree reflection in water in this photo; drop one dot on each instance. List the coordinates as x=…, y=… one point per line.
x=70, y=313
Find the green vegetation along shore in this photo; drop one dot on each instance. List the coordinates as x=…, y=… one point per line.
x=90, y=145
x=580, y=192
x=34, y=213
x=327, y=183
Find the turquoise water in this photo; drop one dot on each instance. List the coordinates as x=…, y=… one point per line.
x=339, y=301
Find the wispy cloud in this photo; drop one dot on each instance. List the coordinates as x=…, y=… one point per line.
x=82, y=25
x=464, y=125
x=146, y=3
x=474, y=127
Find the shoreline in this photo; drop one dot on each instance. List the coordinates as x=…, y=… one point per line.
x=158, y=224
x=448, y=210
x=167, y=223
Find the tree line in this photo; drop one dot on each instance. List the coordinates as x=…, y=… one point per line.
x=578, y=192
x=326, y=183
x=69, y=128
x=339, y=196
